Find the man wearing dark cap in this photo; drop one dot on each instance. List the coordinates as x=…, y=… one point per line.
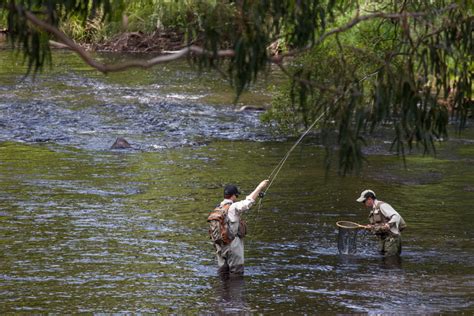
x=385, y=222
x=230, y=257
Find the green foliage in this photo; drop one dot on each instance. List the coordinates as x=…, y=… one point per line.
x=3, y=19
x=254, y=26
x=148, y=16
x=383, y=73
x=364, y=64
x=335, y=80
x=88, y=32
x=33, y=41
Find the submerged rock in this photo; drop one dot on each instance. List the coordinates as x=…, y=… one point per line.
x=121, y=143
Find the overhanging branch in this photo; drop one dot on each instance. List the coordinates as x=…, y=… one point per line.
x=361, y=18
x=105, y=68
x=229, y=53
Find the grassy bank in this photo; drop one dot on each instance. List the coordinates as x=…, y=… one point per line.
x=144, y=26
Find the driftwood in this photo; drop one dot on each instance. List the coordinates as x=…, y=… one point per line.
x=250, y=108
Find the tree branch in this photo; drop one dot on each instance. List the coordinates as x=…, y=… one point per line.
x=309, y=83
x=358, y=19
x=228, y=53
x=105, y=68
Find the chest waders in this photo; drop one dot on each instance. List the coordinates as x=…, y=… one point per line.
x=227, y=238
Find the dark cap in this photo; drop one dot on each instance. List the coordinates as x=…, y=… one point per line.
x=231, y=189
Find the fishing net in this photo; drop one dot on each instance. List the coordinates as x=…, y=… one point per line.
x=347, y=237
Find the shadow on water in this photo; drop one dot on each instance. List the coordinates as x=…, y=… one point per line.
x=88, y=229
x=230, y=296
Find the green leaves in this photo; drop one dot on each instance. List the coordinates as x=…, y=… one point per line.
x=405, y=65
x=33, y=41
x=408, y=72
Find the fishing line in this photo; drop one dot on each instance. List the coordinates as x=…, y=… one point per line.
x=278, y=167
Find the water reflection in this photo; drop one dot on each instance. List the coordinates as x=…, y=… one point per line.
x=230, y=291
x=392, y=262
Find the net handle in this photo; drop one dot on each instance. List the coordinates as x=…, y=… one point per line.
x=351, y=225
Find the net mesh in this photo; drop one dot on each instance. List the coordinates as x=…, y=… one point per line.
x=347, y=237
x=347, y=240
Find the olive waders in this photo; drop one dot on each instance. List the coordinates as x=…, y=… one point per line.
x=390, y=242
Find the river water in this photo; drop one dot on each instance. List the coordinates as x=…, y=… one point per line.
x=89, y=229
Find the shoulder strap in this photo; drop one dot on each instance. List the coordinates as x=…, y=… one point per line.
x=377, y=208
x=219, y=212
x=223, y=208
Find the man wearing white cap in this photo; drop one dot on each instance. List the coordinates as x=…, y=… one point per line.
x=385, y=222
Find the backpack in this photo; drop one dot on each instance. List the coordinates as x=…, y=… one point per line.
x=219, y=225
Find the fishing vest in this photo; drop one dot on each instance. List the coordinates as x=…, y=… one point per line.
x=376, y=217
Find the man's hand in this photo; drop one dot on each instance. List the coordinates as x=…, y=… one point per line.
x=383, y=228
x=263, y=184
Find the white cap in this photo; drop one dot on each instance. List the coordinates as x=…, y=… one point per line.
x=363, y=197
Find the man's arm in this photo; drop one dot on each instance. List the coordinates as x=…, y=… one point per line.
x=389, y=212
x=244, y=205
x=262, y=185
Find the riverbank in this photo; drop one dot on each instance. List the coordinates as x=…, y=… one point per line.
x=127, y=42
x=139, y=42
